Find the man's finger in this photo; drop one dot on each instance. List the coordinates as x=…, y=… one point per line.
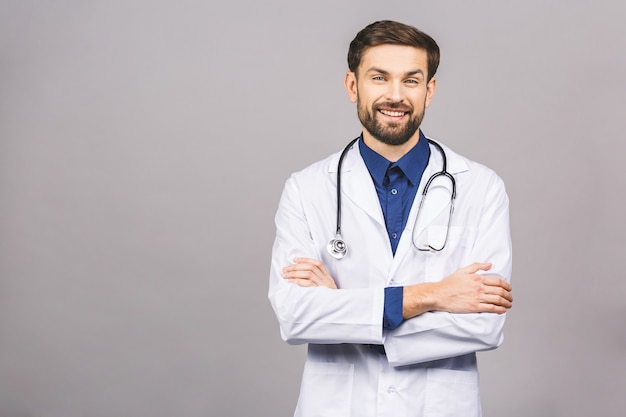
x=477, y=266
x=496, y=282
x=302, y=282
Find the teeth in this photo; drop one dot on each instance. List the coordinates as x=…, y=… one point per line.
x=392, y=113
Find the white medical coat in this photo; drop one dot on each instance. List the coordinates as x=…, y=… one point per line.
x=430, y=364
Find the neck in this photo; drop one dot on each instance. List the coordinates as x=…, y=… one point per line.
x=390, y=152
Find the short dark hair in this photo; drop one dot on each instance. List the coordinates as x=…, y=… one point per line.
x=388, y=32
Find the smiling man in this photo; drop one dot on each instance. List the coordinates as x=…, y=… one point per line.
x=392, y=258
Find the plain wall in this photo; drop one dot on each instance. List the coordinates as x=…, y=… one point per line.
x=144, y=146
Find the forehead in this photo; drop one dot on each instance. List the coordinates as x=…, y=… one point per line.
x=394, y=58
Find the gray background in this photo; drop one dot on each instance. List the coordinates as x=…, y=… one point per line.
x=144, y=146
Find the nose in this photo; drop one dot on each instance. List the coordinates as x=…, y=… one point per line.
x=394, y=91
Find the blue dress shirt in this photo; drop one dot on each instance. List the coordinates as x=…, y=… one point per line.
x=396, y=184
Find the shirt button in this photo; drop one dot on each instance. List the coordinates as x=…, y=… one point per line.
x=391, y=390
x=394, y=191
x=394, y=235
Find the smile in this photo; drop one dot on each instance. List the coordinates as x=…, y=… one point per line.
x=393, y=113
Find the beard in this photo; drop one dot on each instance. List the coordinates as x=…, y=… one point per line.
x=391, y=133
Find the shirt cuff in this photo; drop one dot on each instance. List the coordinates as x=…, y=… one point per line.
x=392, y=314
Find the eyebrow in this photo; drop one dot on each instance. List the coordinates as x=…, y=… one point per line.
x=384, y=72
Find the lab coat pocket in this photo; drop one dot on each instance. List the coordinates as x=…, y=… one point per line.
x=326, y=390
x=452, y=393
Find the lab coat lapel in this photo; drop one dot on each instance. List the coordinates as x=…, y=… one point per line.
x=357, y=184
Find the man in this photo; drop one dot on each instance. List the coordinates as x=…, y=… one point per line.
x=393, y=326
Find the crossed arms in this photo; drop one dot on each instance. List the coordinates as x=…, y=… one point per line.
x=464, y=291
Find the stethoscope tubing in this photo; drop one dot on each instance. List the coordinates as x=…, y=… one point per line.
x=337, y=247
x=339, y=164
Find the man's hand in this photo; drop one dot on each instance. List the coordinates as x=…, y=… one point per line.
x=307, y=272
x=464, y=291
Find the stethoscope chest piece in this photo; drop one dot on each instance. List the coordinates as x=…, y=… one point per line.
x=337, y=247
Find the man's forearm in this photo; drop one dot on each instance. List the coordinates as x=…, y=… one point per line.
x=465, y=291
x=418, y=299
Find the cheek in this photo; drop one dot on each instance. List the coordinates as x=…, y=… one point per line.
x=421, y=100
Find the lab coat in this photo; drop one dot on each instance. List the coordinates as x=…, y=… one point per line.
x=429, y=368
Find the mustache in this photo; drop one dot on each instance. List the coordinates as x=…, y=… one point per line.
x=393, y=105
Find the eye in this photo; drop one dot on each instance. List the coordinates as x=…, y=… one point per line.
x=412, y=81
x=378, y=78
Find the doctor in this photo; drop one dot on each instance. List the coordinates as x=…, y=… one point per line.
x=392, y=329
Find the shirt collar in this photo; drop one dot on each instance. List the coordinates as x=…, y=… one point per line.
x=412, y=163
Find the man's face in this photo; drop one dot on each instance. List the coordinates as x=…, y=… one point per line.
x=391, y=91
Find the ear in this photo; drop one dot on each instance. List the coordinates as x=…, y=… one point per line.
x=431, y=87
x=350, y=84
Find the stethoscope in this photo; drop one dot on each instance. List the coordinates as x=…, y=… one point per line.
x=337, y=247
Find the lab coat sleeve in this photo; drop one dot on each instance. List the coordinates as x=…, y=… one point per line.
x=438, y=335
x=316, y=314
